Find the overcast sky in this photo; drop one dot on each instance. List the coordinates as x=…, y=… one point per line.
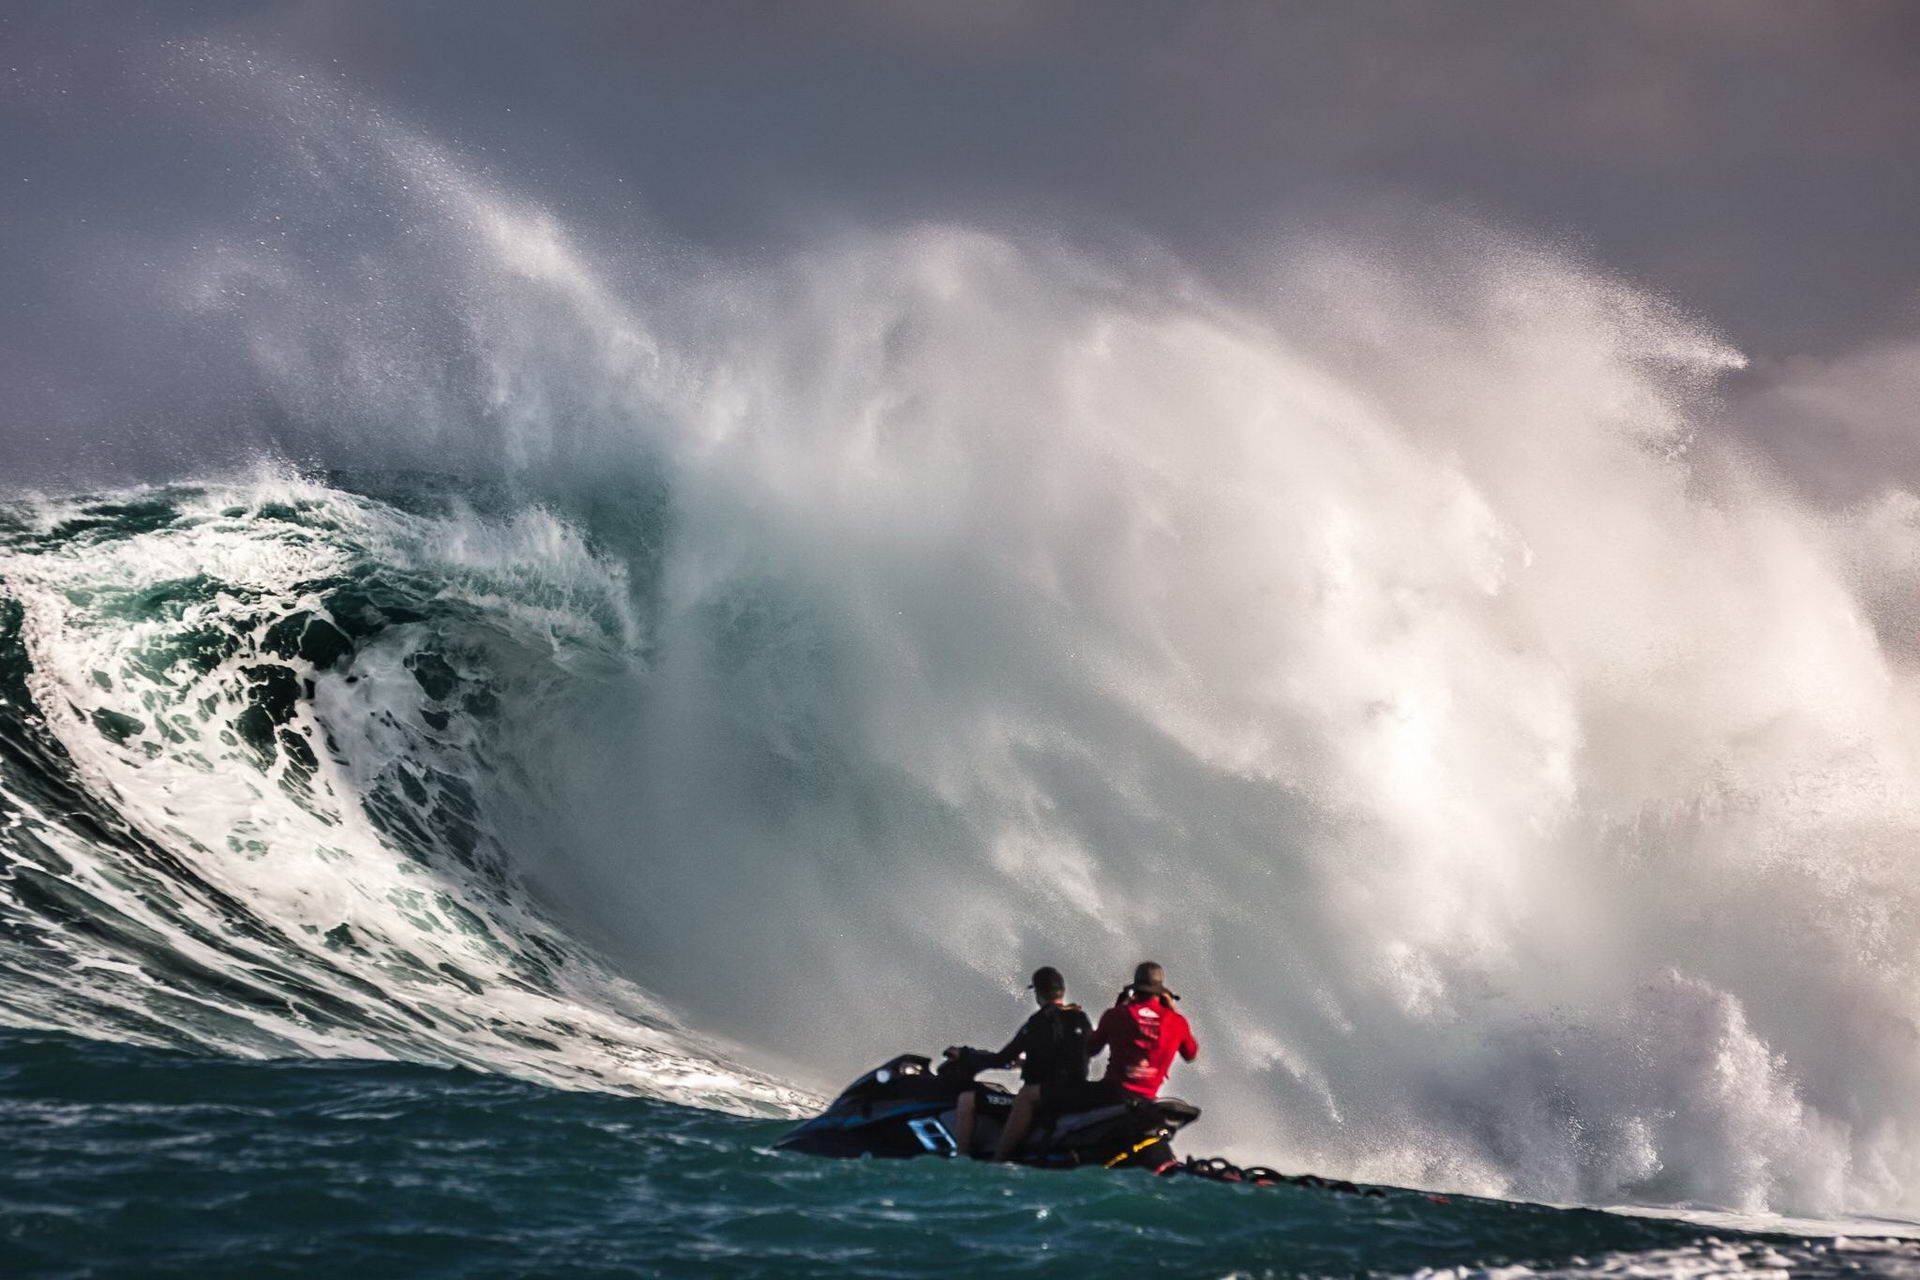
x=1759, y=163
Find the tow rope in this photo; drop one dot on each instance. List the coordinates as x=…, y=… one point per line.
x=1218, y=1169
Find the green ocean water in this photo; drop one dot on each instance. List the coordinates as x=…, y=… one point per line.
x=124, y=1161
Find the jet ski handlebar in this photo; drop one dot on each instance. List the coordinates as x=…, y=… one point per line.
x=963, y=1063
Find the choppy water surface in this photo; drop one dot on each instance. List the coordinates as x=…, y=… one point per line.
x=128, y=1161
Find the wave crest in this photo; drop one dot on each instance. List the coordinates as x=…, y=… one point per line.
x=263, y=736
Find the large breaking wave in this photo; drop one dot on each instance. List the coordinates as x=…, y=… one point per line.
x=1520, y=785
x=257, y=740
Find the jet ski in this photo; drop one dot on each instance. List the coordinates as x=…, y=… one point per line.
x=907, y=1108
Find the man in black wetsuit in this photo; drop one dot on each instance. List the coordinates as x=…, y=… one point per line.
x=1051, y=1047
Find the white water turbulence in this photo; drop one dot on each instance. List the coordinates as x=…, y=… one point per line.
x=251, y=732
x=1519, y=786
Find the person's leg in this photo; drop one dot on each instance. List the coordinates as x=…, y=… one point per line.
x=963, y=1122
x=1019, y=1122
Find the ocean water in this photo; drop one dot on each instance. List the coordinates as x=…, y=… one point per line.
x=259, y=813
x=124, y=1161
x=572, y=703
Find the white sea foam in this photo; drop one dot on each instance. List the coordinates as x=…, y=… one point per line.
x=1517, y=781
x=442, y=959
x=1778, y=1260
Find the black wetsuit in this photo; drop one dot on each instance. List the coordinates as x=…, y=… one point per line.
x=1054, y=1042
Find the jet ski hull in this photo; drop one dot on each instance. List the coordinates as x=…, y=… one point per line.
x=904, y=1109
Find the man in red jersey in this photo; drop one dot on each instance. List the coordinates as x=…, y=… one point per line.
x=1142, y=1033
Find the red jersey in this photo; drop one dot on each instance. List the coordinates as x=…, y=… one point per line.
x=1141, y=1039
